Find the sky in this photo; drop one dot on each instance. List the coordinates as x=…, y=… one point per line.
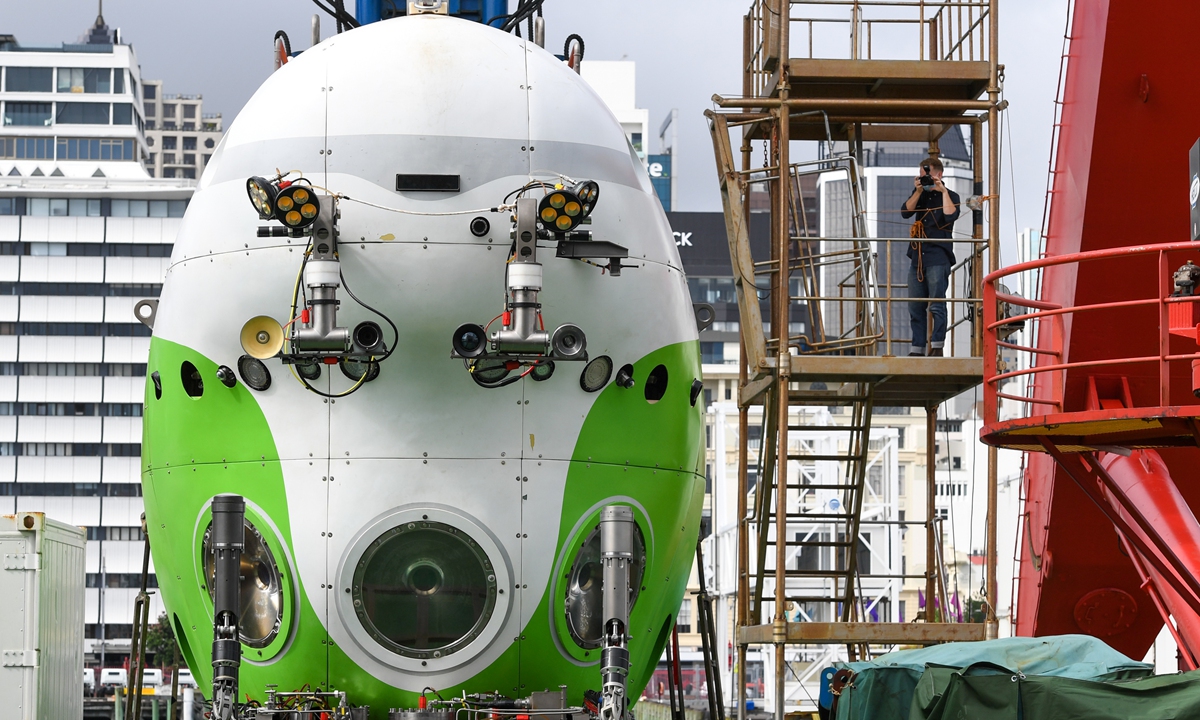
x=685, y=50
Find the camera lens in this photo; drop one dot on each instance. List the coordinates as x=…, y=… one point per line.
x=368, y=336
x=468, y=340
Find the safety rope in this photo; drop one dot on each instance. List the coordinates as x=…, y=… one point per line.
x=917, y=230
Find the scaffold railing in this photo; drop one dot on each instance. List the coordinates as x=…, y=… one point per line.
x=822, y=309
x=947, y=31
x=1044, y=364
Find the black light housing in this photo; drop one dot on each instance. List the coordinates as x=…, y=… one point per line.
x=489, y=371
x=542, y=371
x=262, y=194
x=596, y=374
x=254, y=373
x=308, y=369
x=560, y=211
x=588, y=192
x=296, y=206
x=356, y=369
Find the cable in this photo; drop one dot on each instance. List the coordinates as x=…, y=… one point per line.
x=395, y=332
x=526, y=187
x=567, y=47
x=287, y=44
x=338, y=12
x=525, y=9
x=497, y=209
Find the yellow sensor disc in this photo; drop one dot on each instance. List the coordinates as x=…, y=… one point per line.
x=557, y=200
x=284, y=203
x=300, y=196
x=309, y=211
x=572, y=208
x=292, y=218
x=548, y=214
x=563, y=222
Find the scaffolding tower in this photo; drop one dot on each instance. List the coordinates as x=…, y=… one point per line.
x=912, y=70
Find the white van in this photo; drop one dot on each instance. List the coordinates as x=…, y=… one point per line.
x=185, y=678
x=114, y=677
x=89, y=679
x=152, y=677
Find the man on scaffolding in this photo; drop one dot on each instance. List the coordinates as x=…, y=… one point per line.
x=932, y=254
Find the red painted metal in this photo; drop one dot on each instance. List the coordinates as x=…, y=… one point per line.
x=1148, y=490
x=1120, y=179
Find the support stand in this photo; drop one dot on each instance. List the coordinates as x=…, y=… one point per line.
x=137, y=651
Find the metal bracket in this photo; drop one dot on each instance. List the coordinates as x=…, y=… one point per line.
x=22, y=561
x=145, y=311
x=587, y=249
x=20, y=658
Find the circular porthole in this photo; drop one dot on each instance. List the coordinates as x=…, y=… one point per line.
x=424, y=589
x=261, y=589
x=656, y=384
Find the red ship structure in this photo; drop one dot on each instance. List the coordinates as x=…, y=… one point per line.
x=1106, y=392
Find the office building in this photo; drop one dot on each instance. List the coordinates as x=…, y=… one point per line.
x=180, y=135
x=85, y=233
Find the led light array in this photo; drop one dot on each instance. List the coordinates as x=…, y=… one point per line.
x=294, y=205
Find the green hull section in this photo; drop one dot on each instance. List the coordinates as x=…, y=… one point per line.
x=198, y=447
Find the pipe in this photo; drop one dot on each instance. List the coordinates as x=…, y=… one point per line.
x=993, y=111
x=782, y=307
x=931, y=562
x=743, y=523
x=1145, y=481
x=828, y=104
x=368, y=11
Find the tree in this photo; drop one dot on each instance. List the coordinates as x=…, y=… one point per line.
x=160, y=642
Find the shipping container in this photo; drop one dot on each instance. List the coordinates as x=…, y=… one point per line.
x=41, y=617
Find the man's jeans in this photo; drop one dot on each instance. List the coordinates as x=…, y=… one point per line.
x=936, y=279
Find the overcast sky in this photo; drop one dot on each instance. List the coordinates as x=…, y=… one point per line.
x=685, y=50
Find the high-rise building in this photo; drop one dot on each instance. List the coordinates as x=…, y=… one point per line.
x=85, y=233
x=181, y=136
x=615, y=81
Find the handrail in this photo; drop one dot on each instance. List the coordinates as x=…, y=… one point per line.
x=946, y=30
x=1049, y=359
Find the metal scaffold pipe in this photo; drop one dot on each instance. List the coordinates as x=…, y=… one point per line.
x=993, y=265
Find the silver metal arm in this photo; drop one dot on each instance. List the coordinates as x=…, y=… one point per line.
x=322, y=277
x=228, y=512
x=523, y=280
x=616, y=555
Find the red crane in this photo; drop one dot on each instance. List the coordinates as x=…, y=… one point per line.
x=1106, y=399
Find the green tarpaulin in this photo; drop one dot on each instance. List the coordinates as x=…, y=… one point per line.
x=1063, y=677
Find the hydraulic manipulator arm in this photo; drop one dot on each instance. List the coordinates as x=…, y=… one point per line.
x=616, y=556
